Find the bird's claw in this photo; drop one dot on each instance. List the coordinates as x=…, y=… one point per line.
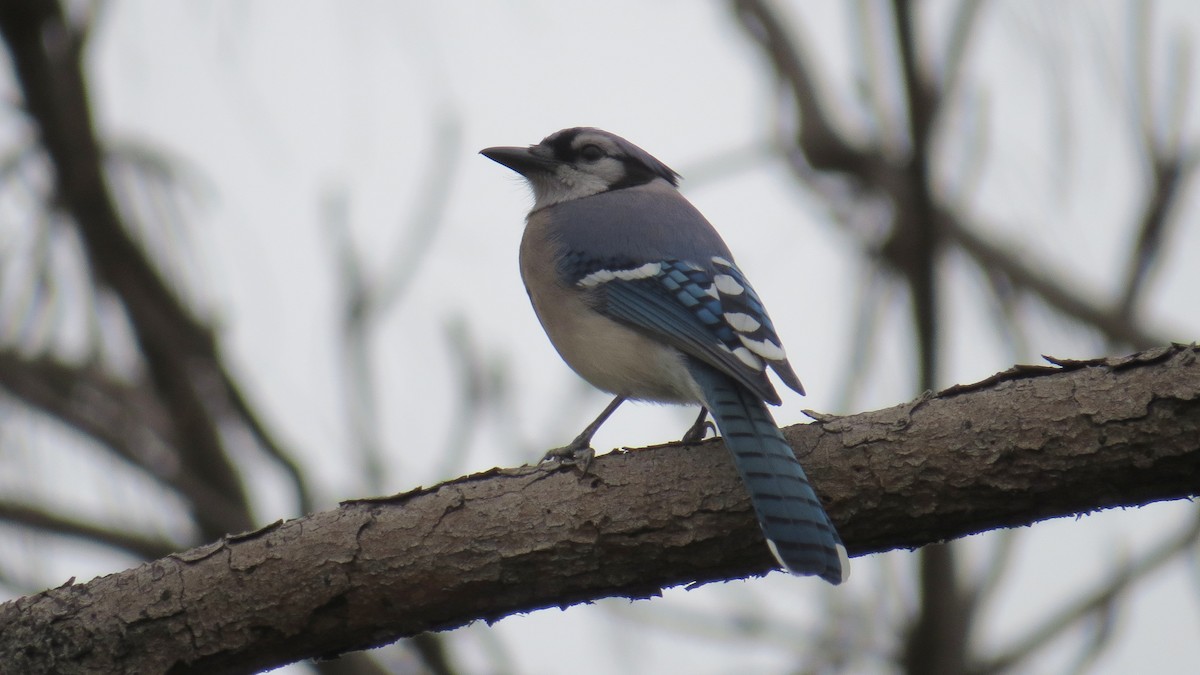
x=698, y=432
x=575, y=454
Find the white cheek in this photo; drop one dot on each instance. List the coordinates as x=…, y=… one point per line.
x=566, y=184
x=609, y=170
x=581, y=184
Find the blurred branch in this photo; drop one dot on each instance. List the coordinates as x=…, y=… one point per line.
x=913, y=245
x=1073, y=439
x=824, y=147
x=432, y=650
x=180, y=353
x=126, y=420
x=963, y=27
x=921, y=224
x=47, y=61
x=922, y=221
x=357, y=663
x=1169, y=165
x=1099, y=638
x=937, y=637
x=877, y=64
x=356, y=321
x=998, y=563
x=870, y=172
x=366, y=302
x=147, y=548
x=478, y=390
x=1026, y=273
x=1168, y=174
x=1095, y=605
x=1004, y=316
x=248, y=416
x=870, y=300
x=426, y=216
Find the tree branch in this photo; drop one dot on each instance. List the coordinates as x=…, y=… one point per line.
x=138, y=545
x=180, y=352
x=1028, y=273
x=125, y=419
x=871, y=171
x=824, y=147
x=1025, y=445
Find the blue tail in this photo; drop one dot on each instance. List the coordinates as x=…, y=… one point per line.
x=792, y=519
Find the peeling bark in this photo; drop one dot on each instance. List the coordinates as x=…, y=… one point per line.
x=1026, y=445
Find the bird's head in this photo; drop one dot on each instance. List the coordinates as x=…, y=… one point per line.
x=580, y=162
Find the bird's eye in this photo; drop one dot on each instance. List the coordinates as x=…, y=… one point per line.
x=591, y=152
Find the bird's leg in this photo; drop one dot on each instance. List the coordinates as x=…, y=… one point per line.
x=700, y=429
x=579, y=451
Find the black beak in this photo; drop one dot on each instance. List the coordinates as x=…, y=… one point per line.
x=521, y=160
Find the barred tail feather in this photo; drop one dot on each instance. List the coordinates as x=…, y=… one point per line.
x=796, y=527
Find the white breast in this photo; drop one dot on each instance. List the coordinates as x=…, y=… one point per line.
x=609, y=355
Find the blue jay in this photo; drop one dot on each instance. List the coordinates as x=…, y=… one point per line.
x=641, y=297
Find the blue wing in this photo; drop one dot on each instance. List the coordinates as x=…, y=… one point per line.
x=706, y=310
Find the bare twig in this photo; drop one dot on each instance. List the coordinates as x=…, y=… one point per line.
x=127, y=420
x=426, y=217
x=1093, y=605
x=824, y=147
x=474, y=394
x=356, y=322
x=1028, y=274
x=141, y=547
x=913, y=246
x=962, y=28
x=999, y=563
x=871, y=301
x=1167, y=162
x=869, y=38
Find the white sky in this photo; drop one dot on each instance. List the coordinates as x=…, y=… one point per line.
x=277, y=105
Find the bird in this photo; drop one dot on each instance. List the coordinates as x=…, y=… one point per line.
x=641, y=297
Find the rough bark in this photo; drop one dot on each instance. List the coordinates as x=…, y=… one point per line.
x=1028, y=444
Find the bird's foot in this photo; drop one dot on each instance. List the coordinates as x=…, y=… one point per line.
x=578, y=453
x=699, y=430
x=698, y=433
